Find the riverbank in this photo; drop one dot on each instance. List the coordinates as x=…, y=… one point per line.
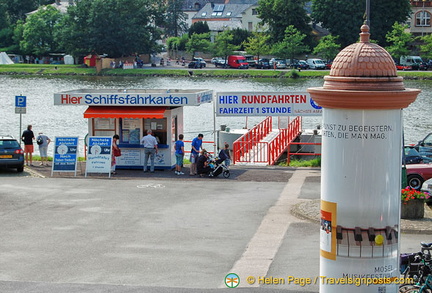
x=178, y=71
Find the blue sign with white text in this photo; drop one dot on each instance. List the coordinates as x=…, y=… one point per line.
x=65, y=154
x=20, y=101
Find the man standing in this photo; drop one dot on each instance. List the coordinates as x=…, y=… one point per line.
x=150, y=149
x=28, y=137
x=43, y=141
x=196, y=145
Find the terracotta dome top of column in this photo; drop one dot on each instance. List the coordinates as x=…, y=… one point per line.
x=364, y=59
x=363, y=76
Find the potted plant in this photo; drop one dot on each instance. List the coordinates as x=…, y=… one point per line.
x=413, y=201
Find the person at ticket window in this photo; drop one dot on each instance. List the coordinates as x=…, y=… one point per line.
x=150, y=150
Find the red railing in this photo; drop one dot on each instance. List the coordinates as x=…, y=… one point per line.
x=244, y=144
x=250, y=148
x=281, y=142
x=301, y=154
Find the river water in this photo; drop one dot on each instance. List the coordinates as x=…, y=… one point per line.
x=69, y=121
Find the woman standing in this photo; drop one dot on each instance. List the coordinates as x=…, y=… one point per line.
x=115, y=153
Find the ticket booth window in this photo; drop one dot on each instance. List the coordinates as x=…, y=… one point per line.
x=158, y=127
x=104, y=126
x=130, y=130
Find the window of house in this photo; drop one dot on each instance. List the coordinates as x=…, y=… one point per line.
x=423, y=18
x=204, y=14
x=254, y=11
x=229, y=13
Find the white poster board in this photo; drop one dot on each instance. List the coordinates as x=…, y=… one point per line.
x=99, y=155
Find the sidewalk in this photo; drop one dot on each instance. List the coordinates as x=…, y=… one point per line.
x=308, y=209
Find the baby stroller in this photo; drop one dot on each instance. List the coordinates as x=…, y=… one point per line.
x=218, y=167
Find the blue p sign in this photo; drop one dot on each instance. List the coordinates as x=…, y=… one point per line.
x=20, y=101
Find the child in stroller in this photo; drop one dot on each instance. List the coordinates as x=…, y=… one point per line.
x=207, y=165
x=218, y=165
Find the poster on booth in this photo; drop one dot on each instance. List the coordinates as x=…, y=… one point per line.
x=266, y=104
x=99, y=155
x=65, y=154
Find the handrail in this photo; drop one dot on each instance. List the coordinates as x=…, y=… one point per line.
x=280, y=143
x=247, y=141
x=301, y=154
x=265, y=152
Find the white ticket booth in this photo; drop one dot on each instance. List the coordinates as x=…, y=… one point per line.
x=130, y=113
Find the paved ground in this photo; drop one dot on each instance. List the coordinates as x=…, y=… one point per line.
x=159, y=232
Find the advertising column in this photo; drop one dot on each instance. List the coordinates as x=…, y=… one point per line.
x=359, y=209
x=362, y=102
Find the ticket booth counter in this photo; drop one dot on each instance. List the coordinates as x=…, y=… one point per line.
x=132, y=122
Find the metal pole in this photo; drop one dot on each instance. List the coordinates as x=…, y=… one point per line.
x=423, y=18
x=214, y=126
x=20, y=128
x=367, y=21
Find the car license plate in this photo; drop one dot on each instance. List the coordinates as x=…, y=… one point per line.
x=5, y=156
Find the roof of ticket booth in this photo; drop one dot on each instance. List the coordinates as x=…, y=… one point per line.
x=134, y=97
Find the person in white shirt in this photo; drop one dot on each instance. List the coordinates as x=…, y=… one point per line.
x=150, y=150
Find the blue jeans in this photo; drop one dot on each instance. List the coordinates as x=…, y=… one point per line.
x=149, y=153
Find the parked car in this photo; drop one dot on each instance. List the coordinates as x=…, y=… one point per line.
x=280, y=63
x=218, y=61
x=316, y=64
x=303, y=64
x=424, y=146
x=195, y=64
x=329, y=65
x=417, y=174
x=250, y=60
x=406, y=67
x=423, y=66
x=237, y=61
x=412, y=156
x=427, y=187
x=201, y=61
x=263, y=63
x=11, y=153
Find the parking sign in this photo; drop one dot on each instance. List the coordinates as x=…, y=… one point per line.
x=20, y=101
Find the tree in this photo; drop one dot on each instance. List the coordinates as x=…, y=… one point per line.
x=223, y=45
x=198, y=43
x=39, y=30
x=199, y=27
x=239, y=35
x=399, y=41
x=291, y=45
x=258, y=44
x=426, y=48
x=17, y=9
x=327, y=47
x=175, y=18
x=115, y=27
x=344, y=18
x=279, y=14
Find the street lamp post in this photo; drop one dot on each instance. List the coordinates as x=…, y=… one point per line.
x=423, y=17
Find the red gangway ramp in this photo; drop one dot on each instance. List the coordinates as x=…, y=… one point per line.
x=262, y=145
